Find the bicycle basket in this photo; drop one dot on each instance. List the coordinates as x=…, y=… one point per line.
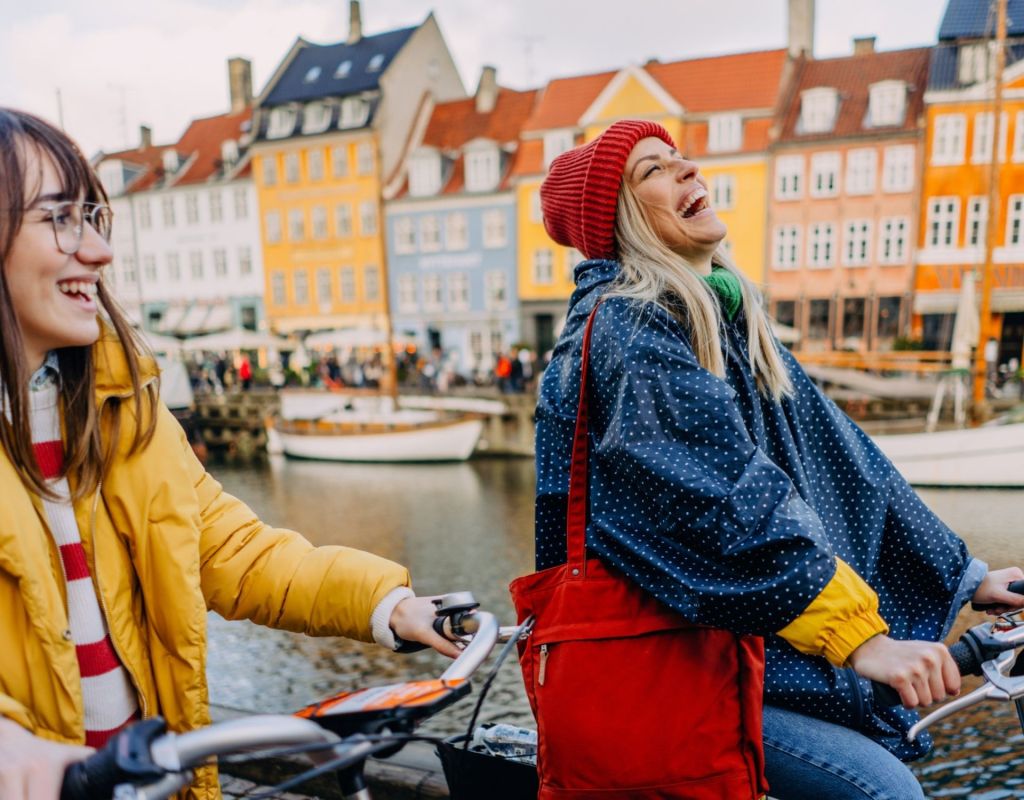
x=472, y=774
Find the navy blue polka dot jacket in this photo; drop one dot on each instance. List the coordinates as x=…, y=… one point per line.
x=731, y=508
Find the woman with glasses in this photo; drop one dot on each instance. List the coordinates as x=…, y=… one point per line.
x=114, y=541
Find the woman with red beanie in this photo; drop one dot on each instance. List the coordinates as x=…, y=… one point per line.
x=722, y=483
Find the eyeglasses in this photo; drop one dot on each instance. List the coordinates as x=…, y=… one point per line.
x=69, y=219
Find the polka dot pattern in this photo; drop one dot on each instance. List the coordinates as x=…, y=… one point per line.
x=731, y=508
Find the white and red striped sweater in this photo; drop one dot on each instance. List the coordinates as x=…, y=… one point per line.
x=108, y=694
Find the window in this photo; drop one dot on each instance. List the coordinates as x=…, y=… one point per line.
x=324, y=295
x=973, y=63
x=458, y=291
x=191, y=208
x=572, y=258
x=311, y=75
x=291, y=167
x=789, y=177
x=277, y=292
x=343, y=69
x=725, y=132
x=893, y=240
x=149, y=268
x=536, y=213
x=300, y=285
x=407, y=293
x=857, y=242
x=167, y=206
x=425, y=174
x=556, y=143
x=854, y=317
x=220, y=263
x=196, y=264
x=430, y=234
x=270, y=171
x=228, y=154
x=1014, y=218
x=543, y=268
x=272, y=220
x=343, y=220
x=371, y=282
x=216, y=206
x=145, y=217
x=825, y=174
x=495, y=228
x=822, y=245
x=981, y=151
x=977, y=218
x=129, y=270
x=889, y=317
x=405, y=235
x=482, y=169
x=949, y=139
x=898, y=168
x=244, y=260
x=943, y=221
x=887, y=103
x=375, y=63
x=367, y=218
x=173, y=267
x=316, y=117
x=354, y=113
x=315, y=162
x=818, y=109
x=319, y=222
x=364, y=158
x=432, y=299
x=495, y=289
x=860, y=171
x=296, y=225
x=282, y=123
x=723, y=191
x=241, y=203
x=456, y=234
x=786, y=247
x=785, y=312
x=819, y=318
x=347, y=284
x=339, y=161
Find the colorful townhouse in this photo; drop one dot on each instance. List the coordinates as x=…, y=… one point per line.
x=451, y=227
x=186, y=233
x=844, y=198
x=329, y=129
x=957, y=166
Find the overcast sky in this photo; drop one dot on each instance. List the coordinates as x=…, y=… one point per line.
x=121, y=63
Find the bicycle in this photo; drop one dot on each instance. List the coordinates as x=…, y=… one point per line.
x=338, y=734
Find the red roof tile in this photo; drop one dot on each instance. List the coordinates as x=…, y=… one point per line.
x=454, y=123
x=852, y=76
x=723, y=83
x=201, y=143
x=529, y=158
x=563, y=101
x=148, y=159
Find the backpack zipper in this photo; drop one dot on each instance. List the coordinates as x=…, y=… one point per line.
x=543, y=664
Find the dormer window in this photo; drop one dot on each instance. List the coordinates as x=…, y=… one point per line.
x=229, y=152
x=973, y=63
x=343, y=69
x=483, y=167
x=170, y=161
x=316, y=117
x=556, y=143
x=312, y=75
x=887, y=103
x=282, y=123
x=818, y=109
x=425, y=173
x=375, y=63
x=725, y=132
x=354, y=113
x=112, y=177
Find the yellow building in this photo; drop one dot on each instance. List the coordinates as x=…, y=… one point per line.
x=321, y=153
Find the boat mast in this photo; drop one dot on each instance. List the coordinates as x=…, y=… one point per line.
x=390, y=365
x=985, y=332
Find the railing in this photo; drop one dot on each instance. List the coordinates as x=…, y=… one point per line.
x=925, y=362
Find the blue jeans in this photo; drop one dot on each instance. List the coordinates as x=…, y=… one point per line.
x=808, y=759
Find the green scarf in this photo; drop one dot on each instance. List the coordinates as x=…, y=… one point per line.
x=727, y=287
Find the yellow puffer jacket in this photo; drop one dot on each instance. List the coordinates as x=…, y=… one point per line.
x=164, y=544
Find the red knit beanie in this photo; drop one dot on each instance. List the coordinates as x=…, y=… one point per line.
x=579, y=195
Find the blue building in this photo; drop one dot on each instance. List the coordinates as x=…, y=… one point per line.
x=451, y=228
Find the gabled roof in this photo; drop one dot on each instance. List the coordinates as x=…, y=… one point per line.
x=971, y=18
x=563, y=101
x=292, y=84
x=852, y=76
x=200, y=145
x=145, y=162
x=723, y=83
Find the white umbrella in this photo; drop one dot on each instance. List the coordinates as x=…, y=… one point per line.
x=966, y=326
x=159, y=343
x=235, y=339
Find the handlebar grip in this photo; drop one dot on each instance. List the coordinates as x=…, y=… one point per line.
x=968, y=662
x=885, y=695
x=414, y=647
x=96, y=776
x=1017, y=587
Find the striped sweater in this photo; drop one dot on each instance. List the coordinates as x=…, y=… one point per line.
x=108, y=695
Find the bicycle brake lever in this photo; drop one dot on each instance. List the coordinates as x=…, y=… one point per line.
x=983, y=692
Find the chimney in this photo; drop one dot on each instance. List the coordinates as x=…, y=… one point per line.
x=487, y=90
x=863, y=45
x=240, y=83
x=145, y=137
x=355, y=22
x=801, y=28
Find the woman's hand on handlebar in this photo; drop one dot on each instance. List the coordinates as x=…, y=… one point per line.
x=993, y=591
x=922, y=672
x=413, y=620
x=32, y=768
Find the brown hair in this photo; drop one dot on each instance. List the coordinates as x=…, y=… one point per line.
x=87, y=455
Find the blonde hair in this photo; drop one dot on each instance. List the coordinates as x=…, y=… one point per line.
x=653, y=273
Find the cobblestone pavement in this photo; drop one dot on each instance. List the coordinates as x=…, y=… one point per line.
x=238, y=789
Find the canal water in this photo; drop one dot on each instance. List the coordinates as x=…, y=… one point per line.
x=470, y=526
